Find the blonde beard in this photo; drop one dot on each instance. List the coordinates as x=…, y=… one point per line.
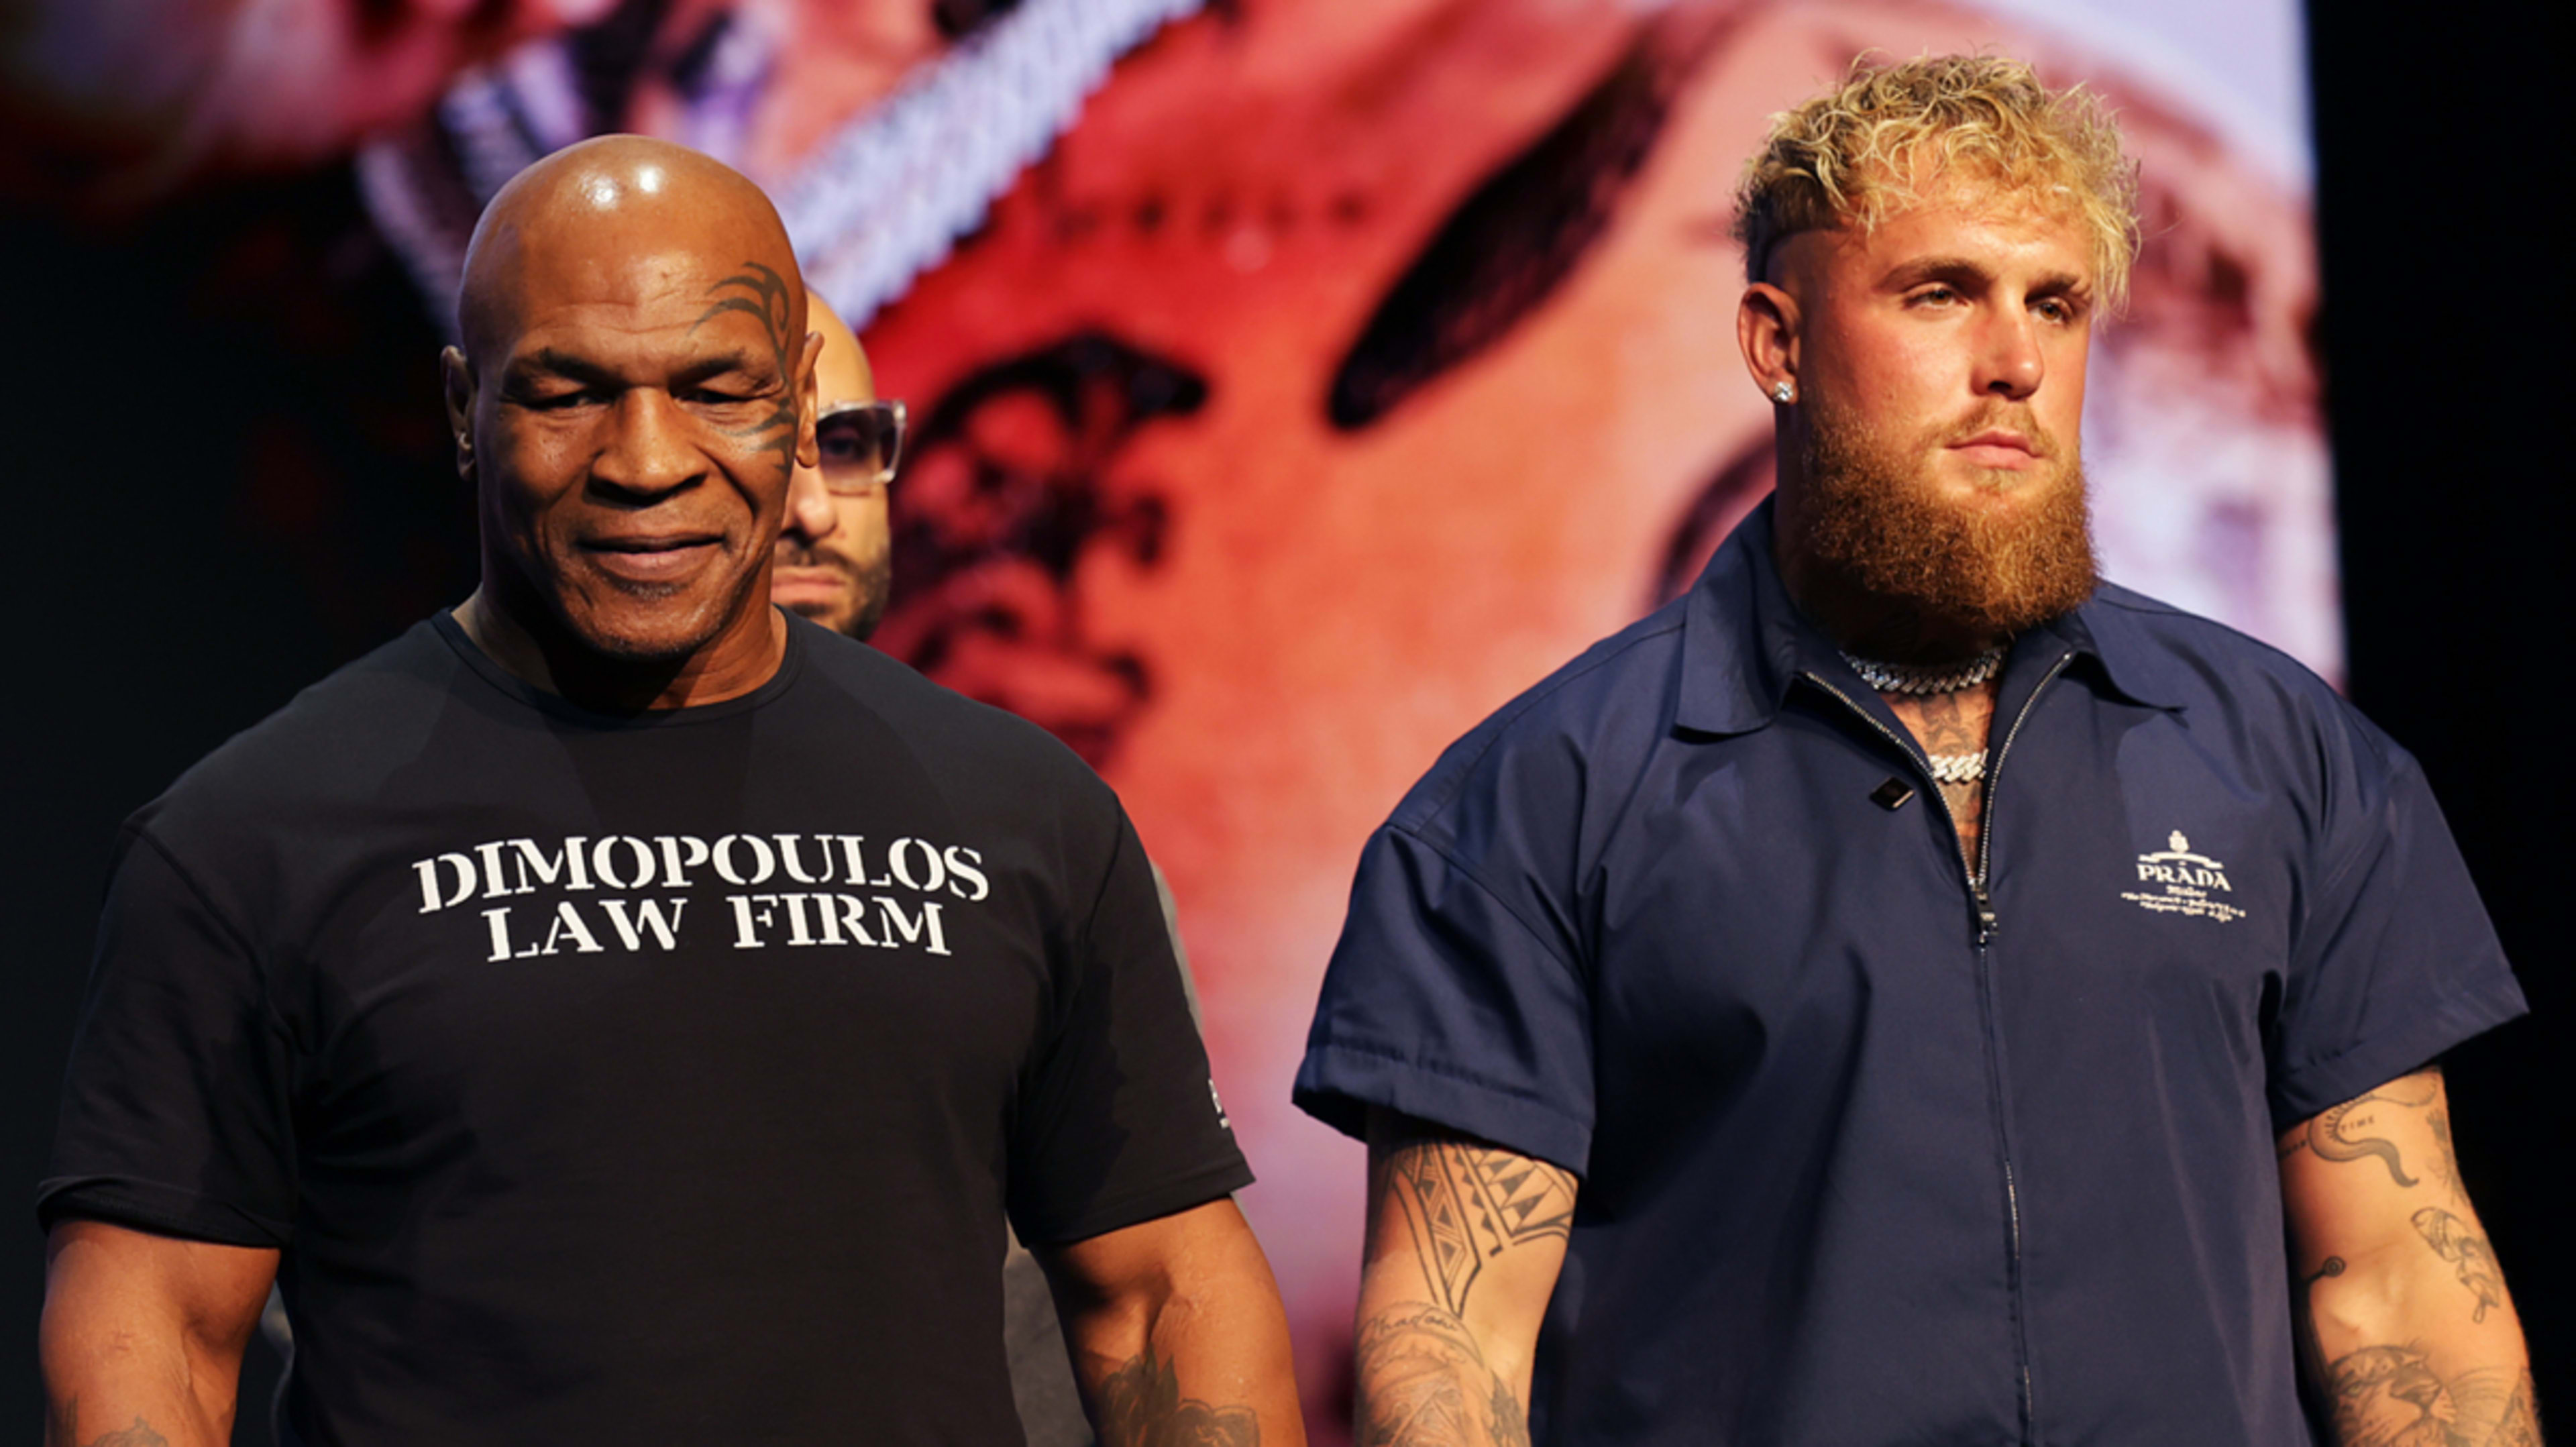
x=1951, y=573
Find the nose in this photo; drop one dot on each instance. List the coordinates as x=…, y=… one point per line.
x=2010, y=364
x=648, y=452
x=810, y=514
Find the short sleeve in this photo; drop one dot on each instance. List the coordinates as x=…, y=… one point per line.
x=2395, y=963
x=1119, y=1120
x=1446, y=1002
x=175, y=1112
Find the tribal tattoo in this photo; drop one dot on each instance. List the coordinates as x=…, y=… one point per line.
x=773, y=305
x=2390, y=1396
x=1423, y=1383
x=1467, y=1204
x=1141, y=1406
x=2468, y=1253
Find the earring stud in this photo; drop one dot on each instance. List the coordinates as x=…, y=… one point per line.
x=1784, y=393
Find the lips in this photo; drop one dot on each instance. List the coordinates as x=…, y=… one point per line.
x=653, y=559
x=2000, y=448
x=789, y=584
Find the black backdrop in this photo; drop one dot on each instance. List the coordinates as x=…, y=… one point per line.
x=229, y=477
x=2445, y=335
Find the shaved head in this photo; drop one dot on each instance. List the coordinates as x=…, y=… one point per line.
x=841, y=372
x=634, y=392
x=609, y=197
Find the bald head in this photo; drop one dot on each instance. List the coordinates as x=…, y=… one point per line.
x=841, y=372
x=605, y=212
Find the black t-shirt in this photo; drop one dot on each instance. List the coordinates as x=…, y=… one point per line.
x=660, y=1077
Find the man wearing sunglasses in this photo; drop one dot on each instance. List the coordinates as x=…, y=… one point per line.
x=834, y=552
x=617, y=1010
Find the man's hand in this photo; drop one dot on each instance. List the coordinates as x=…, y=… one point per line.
x=143, y=1335
x=1464, y=1244
x=2411, y=1336
x=1177, y=1333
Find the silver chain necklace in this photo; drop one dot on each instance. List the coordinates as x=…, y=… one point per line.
x=1957, y=768
x=1919, y=679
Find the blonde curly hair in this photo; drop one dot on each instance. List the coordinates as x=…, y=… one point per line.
x=1889, y=133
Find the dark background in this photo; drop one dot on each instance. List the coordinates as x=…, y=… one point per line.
x=230, y=475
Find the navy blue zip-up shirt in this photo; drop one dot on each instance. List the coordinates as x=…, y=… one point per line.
x=1874, y=1151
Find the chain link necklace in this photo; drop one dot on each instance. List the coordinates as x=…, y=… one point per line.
x=1920, y=679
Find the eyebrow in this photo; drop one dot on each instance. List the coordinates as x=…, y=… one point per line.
x=1961, y=269
x=549, y=362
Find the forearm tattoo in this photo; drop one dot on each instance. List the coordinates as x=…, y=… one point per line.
x=773, y=306
x=2346, y=1132
x=1423, y=1383
x=1466, y=1204
x=2390, y=1396
x=2468, y=1253
x=140, y=1434
x=1140, y=1405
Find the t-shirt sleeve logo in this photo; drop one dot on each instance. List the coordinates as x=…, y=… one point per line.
x=2186, y=883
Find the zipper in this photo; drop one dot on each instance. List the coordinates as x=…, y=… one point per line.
x=1985, y=914
x=1984, y=906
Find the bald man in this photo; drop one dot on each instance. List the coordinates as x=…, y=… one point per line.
x=618, y=1010
x=834, y=551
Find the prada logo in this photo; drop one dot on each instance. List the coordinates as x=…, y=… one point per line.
x=2184, y=883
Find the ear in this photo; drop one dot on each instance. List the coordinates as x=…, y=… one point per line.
x=1766, y=331
x=809, y=401
x=458, y=387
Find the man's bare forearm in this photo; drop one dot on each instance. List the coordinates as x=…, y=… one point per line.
x=142, y=1336
x=1465, y=1241
x=1178, y=1334
x=2408, y=1328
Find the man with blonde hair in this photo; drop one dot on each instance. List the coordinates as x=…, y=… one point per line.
x=1907, y=989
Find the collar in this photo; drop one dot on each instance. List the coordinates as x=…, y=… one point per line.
x=1744, y=641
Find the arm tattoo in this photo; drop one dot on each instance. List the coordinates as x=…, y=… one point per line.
x=2446, y=1161
x=2468, y=1253
x=772, y=305
x=1141, y=1406
x=1468, y=1203
x=2391, y=1397
x=1419, y=1372
x=2340, y=1132
x=138, y=1435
